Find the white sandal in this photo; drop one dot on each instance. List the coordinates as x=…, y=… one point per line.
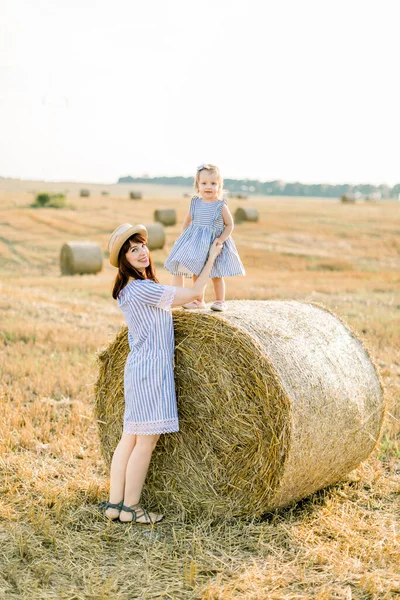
x=219, y=306
x=195, y=305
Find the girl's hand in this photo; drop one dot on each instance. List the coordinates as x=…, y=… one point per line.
x=215, y=249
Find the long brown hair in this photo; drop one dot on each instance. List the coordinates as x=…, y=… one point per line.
x=126, y=271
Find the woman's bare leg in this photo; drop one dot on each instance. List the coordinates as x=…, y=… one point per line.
x=136, y=471
x=119, y=463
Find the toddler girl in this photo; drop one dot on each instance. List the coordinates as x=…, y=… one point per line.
x=208, y=219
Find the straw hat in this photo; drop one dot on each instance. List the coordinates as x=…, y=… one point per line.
x=119, y=237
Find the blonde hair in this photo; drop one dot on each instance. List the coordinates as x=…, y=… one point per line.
x=211, y=169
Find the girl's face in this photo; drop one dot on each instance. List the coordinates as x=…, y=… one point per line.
x=208, y=185
x=138, y=256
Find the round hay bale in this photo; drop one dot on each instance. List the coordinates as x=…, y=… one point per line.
x=166, y=216
x=276, y=399
x=135, y=195
x=246, y=214
x=351, y=198
x=85, y=193
x=156, y=236
x=80, y=258
x=373, y=197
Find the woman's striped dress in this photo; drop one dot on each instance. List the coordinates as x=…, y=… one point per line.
x=149, y=387
x=190, y=250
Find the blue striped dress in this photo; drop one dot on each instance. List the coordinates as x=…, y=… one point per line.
x=190, y=250
x=149, y=386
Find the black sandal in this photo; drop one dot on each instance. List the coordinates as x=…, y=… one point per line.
x=105, y=505
x=137, y=512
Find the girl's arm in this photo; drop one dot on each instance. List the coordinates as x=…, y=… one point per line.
x=228, y=221
x=187, y=221
x=184, y=295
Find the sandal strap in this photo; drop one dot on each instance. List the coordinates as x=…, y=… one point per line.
x=134, y=509
x=105, y=505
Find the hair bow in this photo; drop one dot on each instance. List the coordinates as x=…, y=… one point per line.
x=200, y=167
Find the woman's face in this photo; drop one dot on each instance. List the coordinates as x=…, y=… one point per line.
x=138, y=256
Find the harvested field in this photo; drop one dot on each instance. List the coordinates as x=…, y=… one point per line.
x=339, y=543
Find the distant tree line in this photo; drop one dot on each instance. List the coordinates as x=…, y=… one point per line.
x=278, y=187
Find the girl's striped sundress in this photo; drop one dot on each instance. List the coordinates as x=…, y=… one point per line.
x=149, y=387
x=190, y=250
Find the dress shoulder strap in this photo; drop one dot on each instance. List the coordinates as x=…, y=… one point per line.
x=193, y=204
x=218, y=210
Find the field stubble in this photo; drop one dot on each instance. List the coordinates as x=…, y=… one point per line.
x=341, y=543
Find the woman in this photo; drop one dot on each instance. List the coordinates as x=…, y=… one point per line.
x=149, y=389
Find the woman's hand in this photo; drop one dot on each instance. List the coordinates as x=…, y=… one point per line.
x=219, y=241
x=215, y=249
x=185, y=295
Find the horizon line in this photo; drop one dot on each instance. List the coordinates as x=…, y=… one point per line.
x=149, y=178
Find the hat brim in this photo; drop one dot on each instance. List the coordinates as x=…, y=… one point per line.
x=120, y=241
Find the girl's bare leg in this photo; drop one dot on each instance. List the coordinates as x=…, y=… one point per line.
x=177, y=281
x=219, y=288
x=119, y=463
x=197, y=301
x=200, y=298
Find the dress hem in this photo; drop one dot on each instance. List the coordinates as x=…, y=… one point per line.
x=211, y=276
x=152, y=428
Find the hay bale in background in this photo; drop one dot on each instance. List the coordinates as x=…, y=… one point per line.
x=80, y=258
x=276, y=400
x=166, y=216
x=156, y=236
x=84, y=193
x=246, y=214
x=349, y=198
x=135, y=195
x=373, y=197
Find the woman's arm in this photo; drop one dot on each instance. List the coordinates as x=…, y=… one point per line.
x=184, y=295
x=228, y=221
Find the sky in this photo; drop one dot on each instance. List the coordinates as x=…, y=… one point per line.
x=298, y=90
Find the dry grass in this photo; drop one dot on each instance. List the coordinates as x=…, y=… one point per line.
x=341, y=543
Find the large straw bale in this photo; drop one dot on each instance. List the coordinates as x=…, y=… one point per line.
x=156, y=236
x=80, y=257
x=135, y=195
x=166, y=216
x=276, y=399
x=84, y=193
x=246, y=214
